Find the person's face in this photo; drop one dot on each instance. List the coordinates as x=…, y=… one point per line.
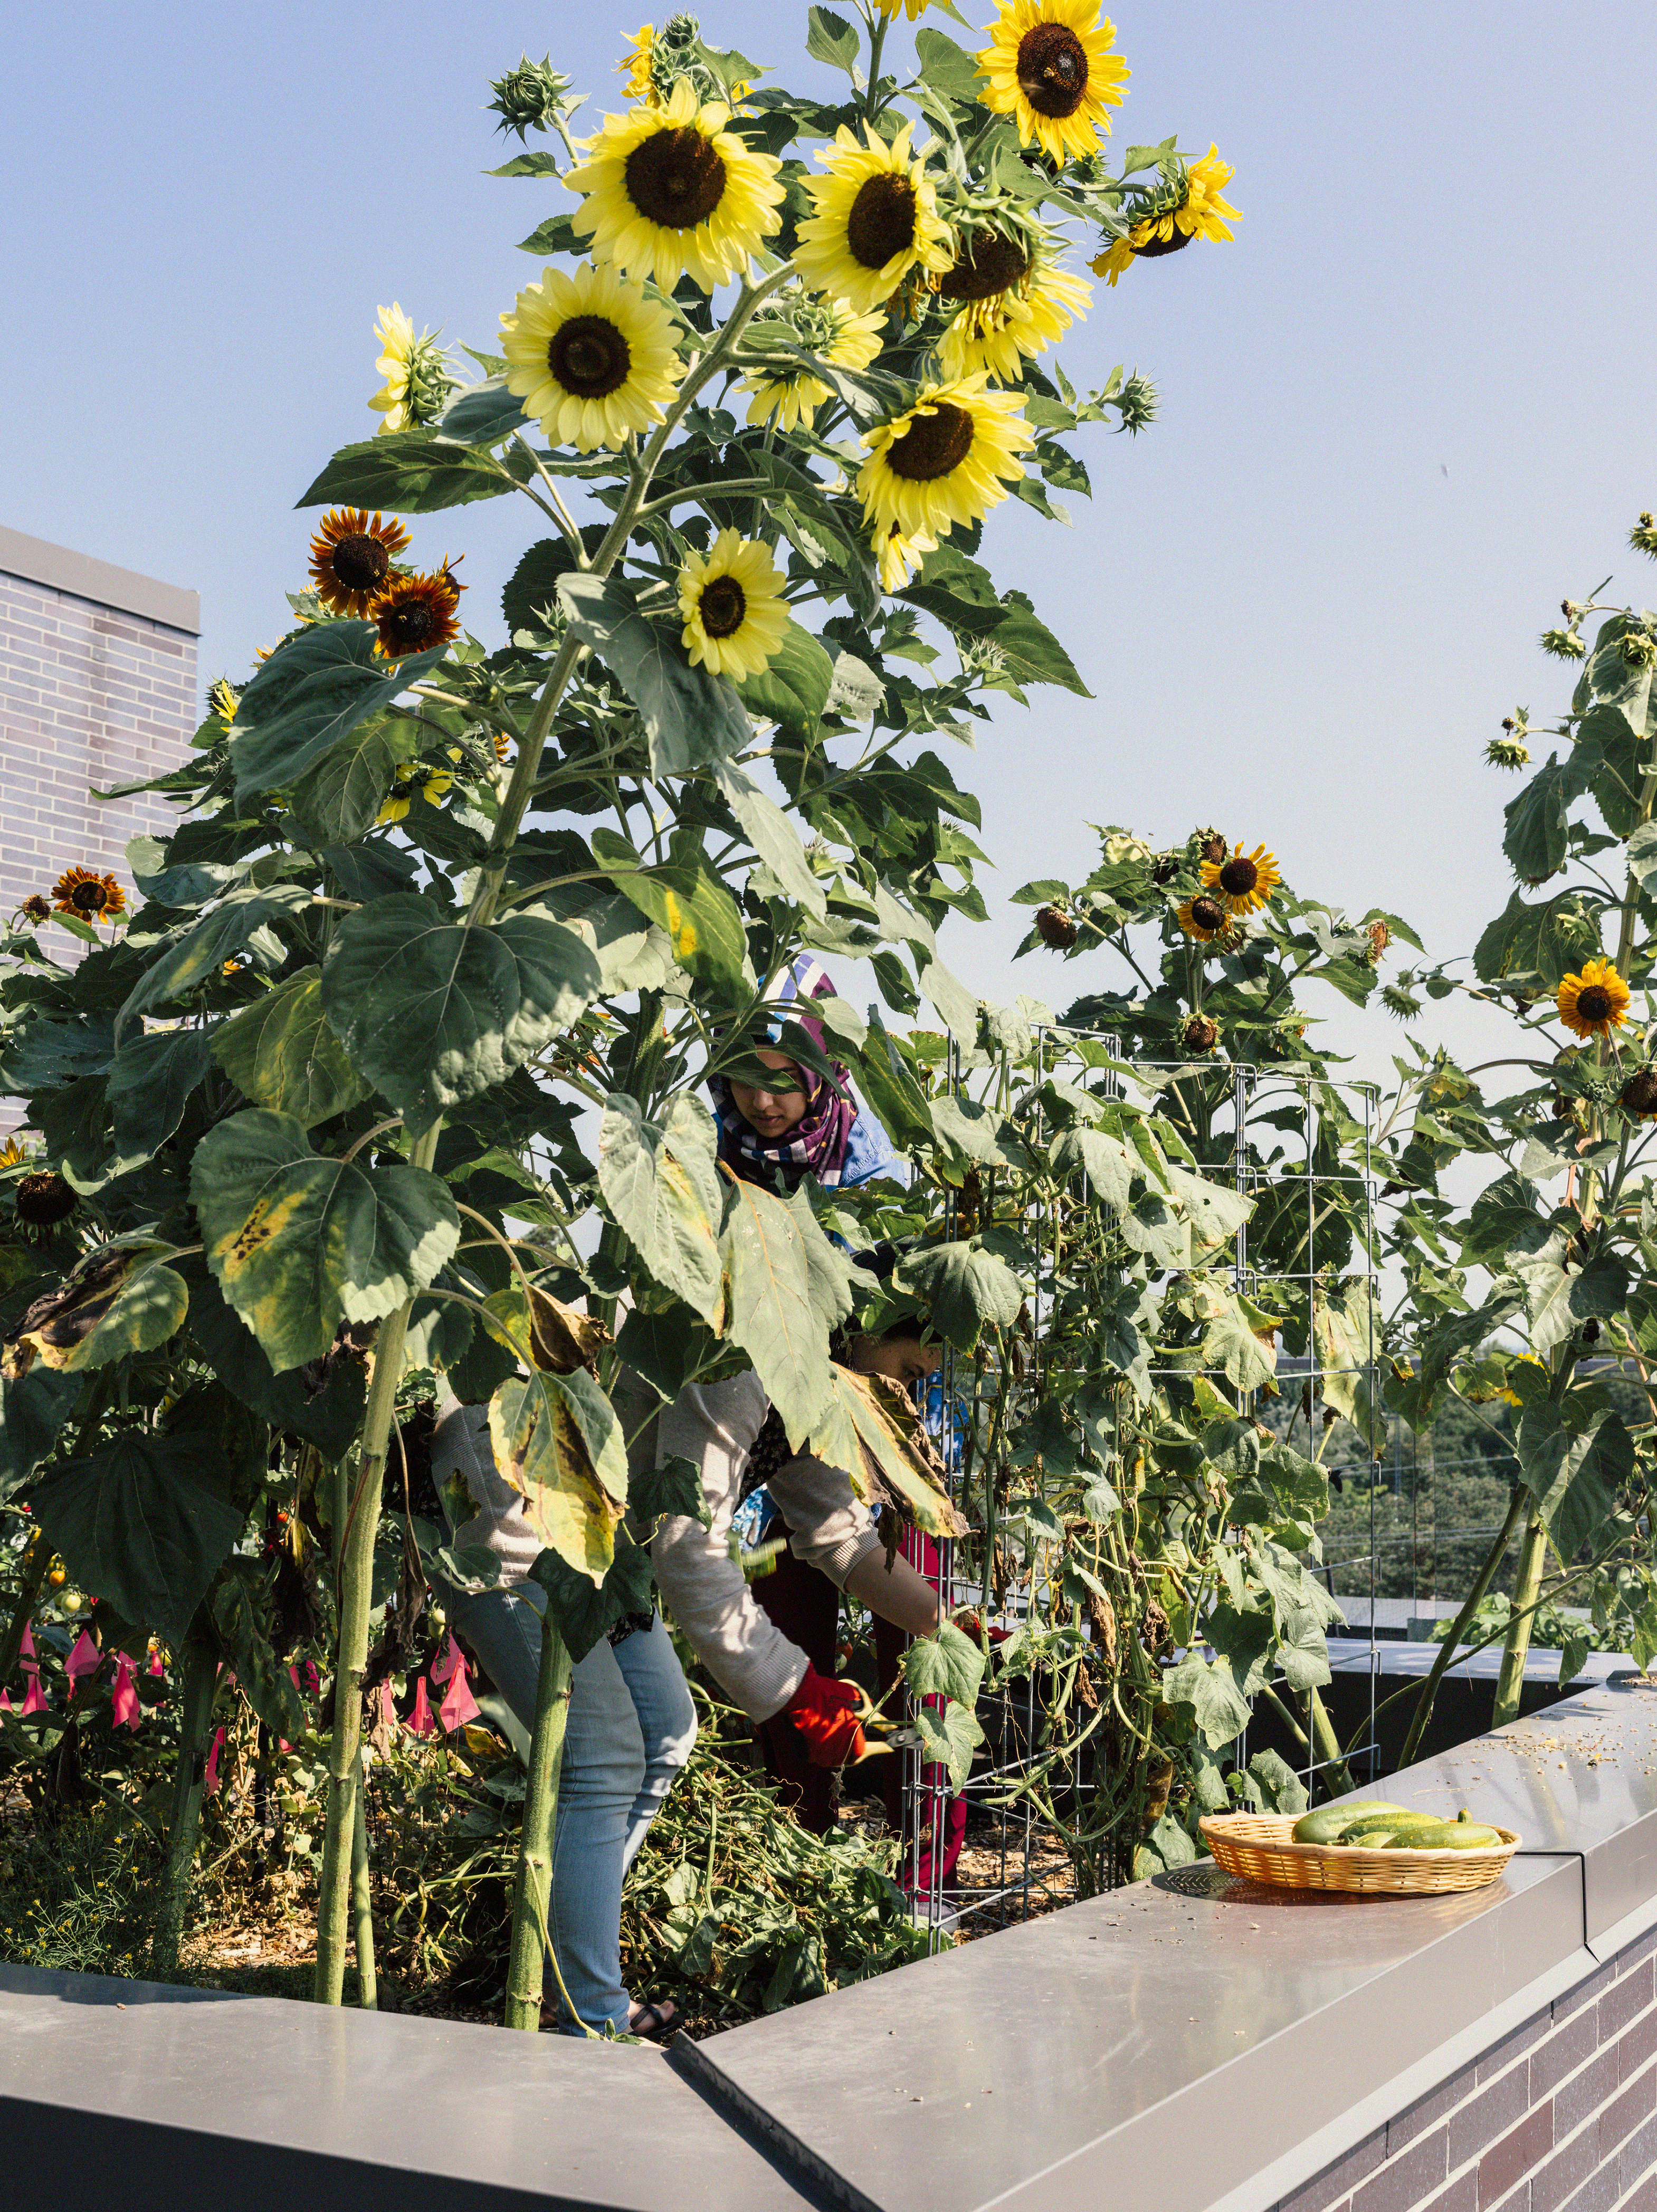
x=772, y=1113
x=900, y=1358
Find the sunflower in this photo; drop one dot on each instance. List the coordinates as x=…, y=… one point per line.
x=890, y=9
x=896, y=556
x=1195, y=210
x=1244, y=880
x=36, y=907
x=1049, y=65
x=414, y=781
x=1638, y=1096
x=734, y=611
x=418, y=378
x=88, y=896
x=1594, y=1003
x=417, y=613
x=874, y=221
x=635, y=66
x=590, y=355
x=670, y=192
x=13, y=1154
x=1015, y=300
x=1203, y=918
x=949, y=459
x=826, y=327
x=351, y=558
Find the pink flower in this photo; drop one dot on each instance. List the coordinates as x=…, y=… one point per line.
x=213, y=1763
x=34, y=1703
x=420, y=1721
x=446, y=1661
x=26, y=1649
x=128, y=1711
x=85, y=1659
x=459, y=1706
x=5, y=1701
x=387, y=1710
x=155, y=1665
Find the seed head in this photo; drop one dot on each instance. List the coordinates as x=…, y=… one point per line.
x=1638, y=648
x=1199, y=1034
x=1056, y=928
x=43, y=1198
x=1639, y=1094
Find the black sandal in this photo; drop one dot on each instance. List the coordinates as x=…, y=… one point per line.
x=654, y=2022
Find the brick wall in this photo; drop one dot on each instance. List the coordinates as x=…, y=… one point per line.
x=88, y=696
x=1560, y=2116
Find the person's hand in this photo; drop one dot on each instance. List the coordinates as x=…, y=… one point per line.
x=970, y=1621
x=828, y=1713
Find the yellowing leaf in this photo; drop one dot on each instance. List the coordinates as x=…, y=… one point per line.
x=558, y=1442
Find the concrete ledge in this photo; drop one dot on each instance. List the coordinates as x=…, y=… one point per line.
x=39, y=562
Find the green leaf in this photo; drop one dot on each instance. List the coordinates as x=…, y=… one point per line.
x=690, y=902
x=1230, y=1344
x=1535, y=837
x=662, y=1189
x=830, y=38
x=145, y=1523
x=312, y=692
x=483, y=414
x=558, y=1443
x=149, y=1082
x=976, y=1132
x=791, y=690
x=948, y=1664
x=1574, y=1472
x=1247, y=1641
x=583, y=1613
x=890, y=1088
x=281, y=1053
x=201, y=954
x=963, y=1285
x=771, y=1316
x=870, y=1423
x=856, y=691
x=241, y=1611
x=828, y=1268
x=34, y=1408
x=1222, y=1711
x=1453, y=1337
x=1215, y=1211
x=433, y=1013
x=773, y=836
x=949, y=1739
x=408, y=472
x=691, y=717
x=674, y=1488
x=962, y=596
x=946, y=67
x=1559, y=1300
x=118, y=1300
x=337, y=799
x=1106, y=1161
x=328, y=1417
x=300, y=1243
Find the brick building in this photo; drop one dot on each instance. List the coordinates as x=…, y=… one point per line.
x=97, y=689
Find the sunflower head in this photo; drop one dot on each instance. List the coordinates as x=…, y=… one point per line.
x=1638, y=1095
x=1594, y=1003
x=1508, y=752
x=874, y=228
x=1643, y=536
x=1203, y=918
x=828, y=328
x=1013, y=301
x=1244, y=880
x=949, y=459
x=36, y=907
x=223, y=699
x=669, y=191
x=43, y=1198
x=1379, y=937
x=1049, y=66
x=534, y=96
x=1402, y=1005
x=88, y=896
x=1201, y=1034
x=1562, y=644
x=634, y=66
x=351, y=560
x=1638, y=648
x=415, y=779
x=417, y=613
x=732, y=600
x=418, y=377
x=590, y=355
x=898, y=556
x=1056, y=928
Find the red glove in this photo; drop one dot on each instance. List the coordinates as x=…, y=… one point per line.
x=825, y=1712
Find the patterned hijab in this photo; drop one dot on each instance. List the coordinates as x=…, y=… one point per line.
x=816, y=1144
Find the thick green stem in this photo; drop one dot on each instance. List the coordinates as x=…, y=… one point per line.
x=201, y=1677
x=1424, y=1711
x=1336, y=1774
x=362, y=1915
x=32, y=1573
x=531, y=1946
x=1532, y=1554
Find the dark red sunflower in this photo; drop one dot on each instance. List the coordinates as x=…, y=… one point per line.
x=351, y=558
x=88, y=896
x=416, y=613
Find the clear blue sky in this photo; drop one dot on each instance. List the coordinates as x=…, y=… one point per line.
x=1403, y=415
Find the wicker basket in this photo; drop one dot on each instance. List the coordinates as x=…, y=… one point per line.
x=1261, y=1847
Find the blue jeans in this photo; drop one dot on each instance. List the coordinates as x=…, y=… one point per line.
x=631, y=1728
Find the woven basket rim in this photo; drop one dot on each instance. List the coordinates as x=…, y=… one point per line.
x=1229, y=1827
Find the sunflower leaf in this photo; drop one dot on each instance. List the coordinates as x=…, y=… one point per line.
x=335, y=800
x=204, y=950
x=483, y=414
x=281, y=1053
x=151, y=1078
x=691, y=717
x=412, y=472
x=690, y=903
x=830, y=38
x=962, y=596
x=792, y=689
x=312, y=692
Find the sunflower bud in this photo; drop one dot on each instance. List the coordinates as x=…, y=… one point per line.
x=1199, y=1034
x=36, y=907
x=1056, y=928
x=1638, y=648
x=1508, y=752
x=1165, y=870
x=1644, y=537
x=531, y=97
x=1211, y=847
x=1379, y=937
x=1564, y=644
x=1639, y=1094
x=43, y=1198
x=1136, y=402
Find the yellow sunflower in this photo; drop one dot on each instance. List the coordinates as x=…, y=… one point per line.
x=351, y=557
x=897, y=557
x=414, y=781
x=1203, y=918
x=635, y=67
x=90, y=896
x=874, y=221
x=223, y=696
x=1594, y=1003
x=1243, y=880
x=734, y=611
x=590, y=355
x=1015, y=300
x=827, y=327
x=13, y=1154
x=670, y=192
x=417, y=613
x=1049, y=65
x=1198, y=211
x=418, y=379
x=914, y=9
x=949, y=459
